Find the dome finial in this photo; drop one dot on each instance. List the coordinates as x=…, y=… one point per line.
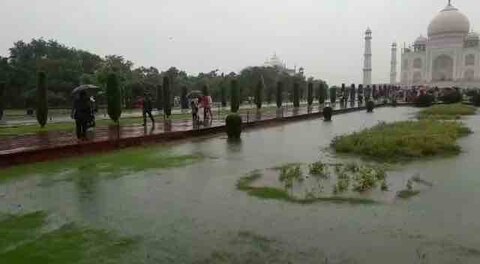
x=449, y=2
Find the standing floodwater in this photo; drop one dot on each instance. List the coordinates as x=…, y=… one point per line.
x=192, y=211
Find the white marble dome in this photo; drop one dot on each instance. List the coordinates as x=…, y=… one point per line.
x=449, y=20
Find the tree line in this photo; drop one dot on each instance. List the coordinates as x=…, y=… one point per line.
x=67, y=68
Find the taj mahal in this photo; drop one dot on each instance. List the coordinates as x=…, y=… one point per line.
x=448, y=57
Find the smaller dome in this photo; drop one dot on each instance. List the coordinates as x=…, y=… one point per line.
x=421, y=40
x=473, y=36
x=274, y=61
x=369, y=31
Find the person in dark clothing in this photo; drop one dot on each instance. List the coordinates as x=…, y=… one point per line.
x=82, y=113
x=147, y=109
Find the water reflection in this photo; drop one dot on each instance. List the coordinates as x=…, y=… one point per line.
x=234, y=145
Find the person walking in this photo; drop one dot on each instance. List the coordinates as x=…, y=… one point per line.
x=194, y=108
x=147, y=109
x=207, y=107
x=82, y=113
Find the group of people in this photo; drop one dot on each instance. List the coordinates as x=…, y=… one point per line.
x=198, y=103
x=84, y=109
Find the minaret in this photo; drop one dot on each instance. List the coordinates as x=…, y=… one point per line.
x=367, y=63
x=393, y=68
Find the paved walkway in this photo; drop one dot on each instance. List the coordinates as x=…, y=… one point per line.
x=54, y=139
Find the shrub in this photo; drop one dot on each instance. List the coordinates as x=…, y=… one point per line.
x=279, y=94
x=394, y=101
x=310, y=94
x=259, y=93
x=327, y=113
x=296, y=95
x=403, y=140
x=425, y=100
x=159, y=97
x=233, y=124
x=333, y=95
x=114, y=98
x=451, y=97
x=234, y=96
x=370, y=106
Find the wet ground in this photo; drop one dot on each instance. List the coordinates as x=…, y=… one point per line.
x=194, y=213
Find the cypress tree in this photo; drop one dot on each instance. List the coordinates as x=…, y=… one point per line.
x=205, y=90
x=333, y=95
x=352, y=93
x=310, y=94
x=114, y=100
x=159, y=97
x=2, y=95
x=183, y=98
x=279, y=94
x=234, y=96
x=42, y=100
x=223, y=94
x=259, y=93
x=322, y=93
x=166, y=96
x=296, y=95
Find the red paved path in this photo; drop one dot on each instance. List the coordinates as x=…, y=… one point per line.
x=15, y=146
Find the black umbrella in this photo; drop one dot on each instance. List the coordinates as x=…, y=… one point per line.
x=194, y=94
x=85, y=87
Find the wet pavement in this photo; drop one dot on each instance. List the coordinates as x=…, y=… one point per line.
x=53, y=139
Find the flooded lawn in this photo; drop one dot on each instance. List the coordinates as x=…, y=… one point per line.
x=127, y=208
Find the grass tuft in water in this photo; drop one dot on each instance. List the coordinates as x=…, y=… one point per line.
x=403, y=140
x=447, y=111
x=245, y=184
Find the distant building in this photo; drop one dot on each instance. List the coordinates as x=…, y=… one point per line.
x=449, y=56
x=277, y=63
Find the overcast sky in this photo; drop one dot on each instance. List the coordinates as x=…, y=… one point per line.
x=323, y=36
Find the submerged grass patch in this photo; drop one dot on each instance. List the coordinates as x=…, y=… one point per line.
x=403, y=140
x=23, y=241
x=114, y=164
x=293, y=174
x=447, y=111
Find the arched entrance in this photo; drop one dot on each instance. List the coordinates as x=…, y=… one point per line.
x=442, y=68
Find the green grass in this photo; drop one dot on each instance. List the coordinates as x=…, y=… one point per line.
x=447, y=111
x=114, y=164
x=404, y=140
x=25, y=239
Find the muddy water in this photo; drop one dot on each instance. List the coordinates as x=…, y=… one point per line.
x=195, y=214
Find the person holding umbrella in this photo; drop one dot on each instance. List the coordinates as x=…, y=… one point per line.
x=82, y=113
x=147, y=109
